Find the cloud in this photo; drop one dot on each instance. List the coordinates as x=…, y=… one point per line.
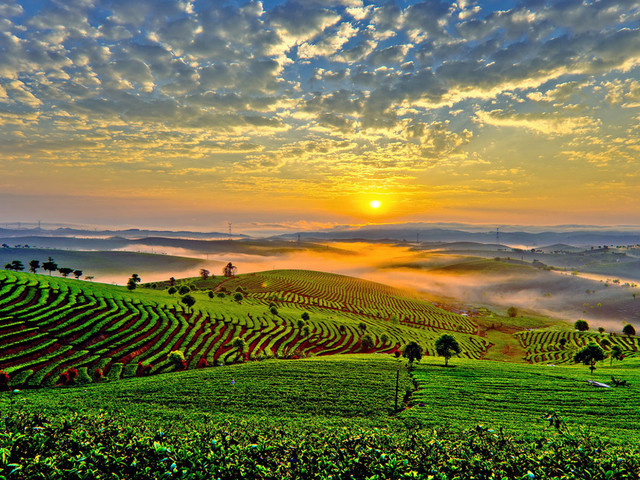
x=546, y=124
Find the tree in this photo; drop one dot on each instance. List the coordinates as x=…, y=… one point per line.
x=34, y=265
x=563, y=342
x=204, y=273
x=589, y=355
x=136, y=278
x=301, y=324
x=131, y=284
x=305, y=316
x=412, y=351
x=189, y=301
x=581, y=325
x=65, y=271
x=362, y=326
x=239, y=343
x=184, y=290
x=447, y=346
x=50, y=266
x=384, y=338
x=210, y=294
x=616, y=353
x=221, y=295
x=512, y=312
x=238, y=298
x=367, y=342
x=77, y=273
x=628, y=330
x=172, y=290
x=600, y=329
x=15, y=265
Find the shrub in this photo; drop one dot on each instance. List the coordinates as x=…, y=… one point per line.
x=367, y=342
x=4, y=381
x=581, y=325
x=238, y=297
x=512, y=312
x=176, y=357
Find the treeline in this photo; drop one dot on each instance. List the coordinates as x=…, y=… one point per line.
x=50, y=266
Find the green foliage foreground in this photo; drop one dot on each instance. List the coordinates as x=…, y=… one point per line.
x=33, y=446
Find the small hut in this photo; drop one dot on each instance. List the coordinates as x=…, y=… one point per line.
x=229, y=270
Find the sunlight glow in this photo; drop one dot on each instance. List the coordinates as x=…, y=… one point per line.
x=375, y=203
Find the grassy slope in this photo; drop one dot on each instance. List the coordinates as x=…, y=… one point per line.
x=345, y=389
x=513, y=396
x=358, y=390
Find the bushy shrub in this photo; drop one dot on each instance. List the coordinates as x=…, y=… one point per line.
x=4, y=381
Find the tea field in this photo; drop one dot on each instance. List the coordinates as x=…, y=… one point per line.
x=329, y=417
x=51, y=326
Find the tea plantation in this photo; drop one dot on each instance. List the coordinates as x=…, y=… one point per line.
x=329, y=417
x=96, y=389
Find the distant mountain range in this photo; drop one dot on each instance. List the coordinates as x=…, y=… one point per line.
x=129, y=234
x=516, y=236
x=425, y=233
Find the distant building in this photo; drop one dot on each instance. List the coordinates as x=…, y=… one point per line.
x=229, y=270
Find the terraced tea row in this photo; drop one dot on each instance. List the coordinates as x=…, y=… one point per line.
x=49, y=326
x=560, y=346
x=346, y=295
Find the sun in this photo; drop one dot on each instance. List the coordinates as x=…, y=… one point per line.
x=375, y=204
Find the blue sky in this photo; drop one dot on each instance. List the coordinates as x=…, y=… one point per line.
x=189, y=113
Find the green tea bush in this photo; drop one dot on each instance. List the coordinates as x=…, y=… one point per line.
x=101, y=447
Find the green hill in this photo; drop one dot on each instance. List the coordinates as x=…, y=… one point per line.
x=52, y=325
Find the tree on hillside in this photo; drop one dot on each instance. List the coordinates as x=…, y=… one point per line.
x=189, y=301
x=183, y=290
x=50, y=266
x=563, y=342
x=204, y=273
x=34, y=265
x=172, y=290
x=131, y=284
x=447, y=346
x=384, y=338
x=367, y=343
x=15, y=265
x=362, y=326
x=77, y=273
x=177, y=358
x=238, y=298
x=616, y=354
x=136, y=278
x=305, y=316
x=210, y=294
x=581, y=325
x=589, y=355
x=629, y=330
x=512, y=312
x=65, y=271
x=601, y=330
x=239, y=343
x=412, y=351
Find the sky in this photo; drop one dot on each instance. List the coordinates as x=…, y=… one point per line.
x=299, y=113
